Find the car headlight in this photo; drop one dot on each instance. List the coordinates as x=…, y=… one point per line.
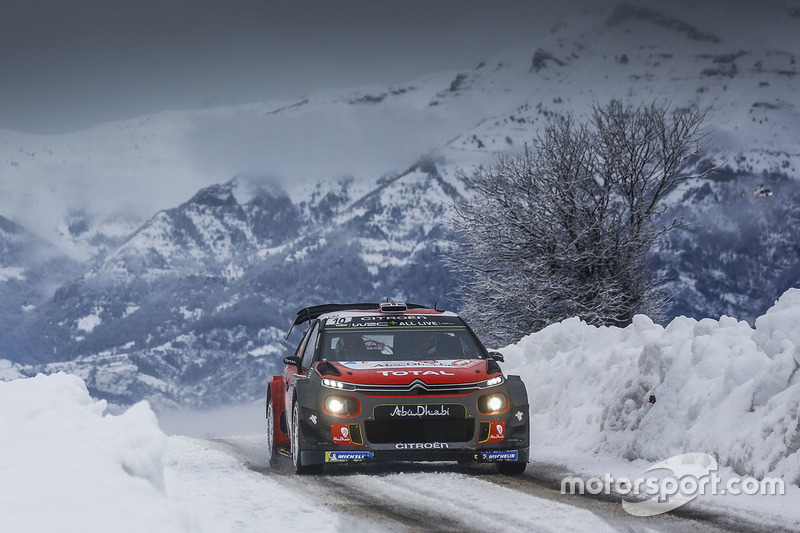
x=491, y=382
x=341, y=406
x=336, y=384
x=490, y=404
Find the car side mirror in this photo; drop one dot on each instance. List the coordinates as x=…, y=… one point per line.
x=292, y=360
x=497, y=356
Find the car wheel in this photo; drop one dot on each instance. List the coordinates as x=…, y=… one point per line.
x=510, y=468
x=272, y=451
x=299, y=467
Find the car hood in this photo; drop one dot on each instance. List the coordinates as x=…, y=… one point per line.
x=404, y=372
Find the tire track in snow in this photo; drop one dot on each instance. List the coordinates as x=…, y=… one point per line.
x=471, y=504
x=359, y=510
x=372, y=508
x=379, y=506
x=436, y=497
x=443, y=497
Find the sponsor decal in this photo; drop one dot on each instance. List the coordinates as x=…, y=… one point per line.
x=507, y=455
x=313, y=419
x=382, y=321
x=421, y=445
x=419, y=412
x=342, y=457
x=341, y=434
x=519, y=416
x=374, y=365
x=409, y=364
x=497, y=431
x=415, y=373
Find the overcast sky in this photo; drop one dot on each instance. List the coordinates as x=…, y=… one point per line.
x=67, y=64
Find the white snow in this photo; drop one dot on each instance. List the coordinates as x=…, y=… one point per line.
x=89, y=322
x=499, y=509
x=67, y=467
x=721, y=388
x=9, y=273
x=190, y=314
x=224, y=495
x=8, y=371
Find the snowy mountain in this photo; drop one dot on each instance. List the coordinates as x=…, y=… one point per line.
x=341, y=196
x=194, y=306
x=30, y=272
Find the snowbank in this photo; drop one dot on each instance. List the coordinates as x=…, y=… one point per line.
x=721, y=387
x=8, y=371
x=67, y=467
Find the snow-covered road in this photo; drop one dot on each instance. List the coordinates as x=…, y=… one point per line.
x=228, y=486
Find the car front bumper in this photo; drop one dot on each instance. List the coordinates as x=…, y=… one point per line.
x=416, y=428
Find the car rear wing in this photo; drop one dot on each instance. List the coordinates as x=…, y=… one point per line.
x=315, y=311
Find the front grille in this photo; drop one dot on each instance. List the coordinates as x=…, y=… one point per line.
x=449, y=430
x=419, y=387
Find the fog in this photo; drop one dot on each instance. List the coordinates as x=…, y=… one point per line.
x=71, y=68
x=68, y=65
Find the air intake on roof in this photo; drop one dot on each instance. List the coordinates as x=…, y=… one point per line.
x=393, y=307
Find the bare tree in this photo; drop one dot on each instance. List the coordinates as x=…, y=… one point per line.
x=566, y=228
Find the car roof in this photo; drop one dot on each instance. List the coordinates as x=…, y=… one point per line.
x=364, y=309
x=315, y=311
x=359, y=309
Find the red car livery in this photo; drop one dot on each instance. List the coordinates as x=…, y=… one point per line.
x=394, y=382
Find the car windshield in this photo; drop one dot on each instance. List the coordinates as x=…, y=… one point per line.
x=404, y=338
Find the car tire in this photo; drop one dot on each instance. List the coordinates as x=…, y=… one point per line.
x=299, y=467
x=272, y=450
x=510, y=468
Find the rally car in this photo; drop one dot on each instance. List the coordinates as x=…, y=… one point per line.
x=394, y=382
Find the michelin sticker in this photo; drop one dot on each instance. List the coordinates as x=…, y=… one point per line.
x=341, y=457
x=509, y=455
